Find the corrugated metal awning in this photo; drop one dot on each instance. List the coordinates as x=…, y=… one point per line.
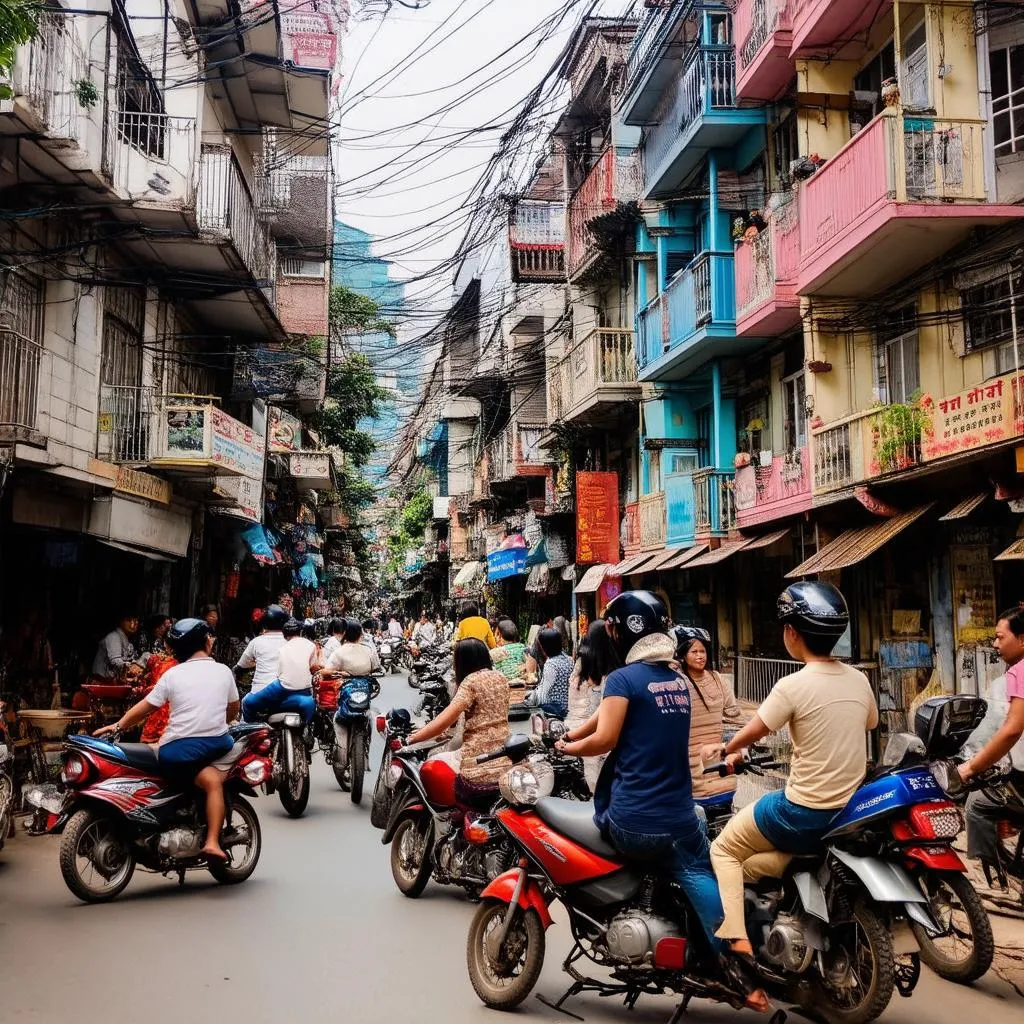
x=766, y=541
x=662, y=560
x=1014, y=553
x=965, y=508
x=854, y=546
x=627, y=565
x=648, y=563
x=468, y=573
x=685, y=555
x=719, y=554
x=593, y=578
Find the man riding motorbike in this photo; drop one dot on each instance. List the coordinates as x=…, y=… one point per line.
x=292, y=689
x=203, y=699
x=262, y=652
x=644, y=801
x=829, y=708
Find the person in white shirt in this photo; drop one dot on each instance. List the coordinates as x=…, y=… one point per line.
x=424, y=633
x=336, y=631
x=292, y=690
x=395, y=630
x=353, y=658
x=262, y=652
x=203, y=698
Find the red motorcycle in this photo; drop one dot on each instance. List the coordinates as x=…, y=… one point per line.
x=118, y=811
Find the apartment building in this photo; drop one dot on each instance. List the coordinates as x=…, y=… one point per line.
x=163, y=249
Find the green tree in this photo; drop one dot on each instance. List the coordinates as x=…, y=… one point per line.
x=18, y=22
x=353, y=395
x=348, y=311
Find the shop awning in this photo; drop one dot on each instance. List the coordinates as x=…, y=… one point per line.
x=661, y=560
x=645, y=563
x=1014, y=553
x=719, y=554
x=628, y=565
x=682, y=557
x=468, y=573
x=141, y=552
x=965, y=508
x=593, y=578
x=854, y=546
x=766, y=541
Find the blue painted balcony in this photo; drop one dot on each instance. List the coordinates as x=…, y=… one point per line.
x=693, y=320
x=653, y=58
x=698, y=506
x=697, y=113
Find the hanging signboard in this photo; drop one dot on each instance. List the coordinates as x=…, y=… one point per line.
x=506, y=562
x=980, y=416
x=284, y=431
x=597, y=517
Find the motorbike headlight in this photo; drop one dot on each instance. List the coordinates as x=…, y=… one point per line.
x=358, y=701
x=527, y=783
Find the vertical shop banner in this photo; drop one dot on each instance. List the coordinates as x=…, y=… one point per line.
x=974, y=592
x=597, y=517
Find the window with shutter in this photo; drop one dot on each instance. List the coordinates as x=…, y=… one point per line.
x=914, y=91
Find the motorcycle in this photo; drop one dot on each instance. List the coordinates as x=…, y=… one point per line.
x=437, y=696
x=119, y=812
x=393, y=654
x=1006, y=873
x=836, y=934
x=352, y=734
x=290, y=775
x=431, y=833
x=432, y=662
x=395, y=728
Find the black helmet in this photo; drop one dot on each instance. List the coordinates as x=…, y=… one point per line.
x=635, y=614
x=187, y=636
x=813, y=608
x=682, y=634
x=274, y=617
x=292, y=627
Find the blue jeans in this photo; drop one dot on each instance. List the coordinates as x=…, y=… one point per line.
x=273, y=698
x=789, y=827
x=685, y=856
x=555, y=710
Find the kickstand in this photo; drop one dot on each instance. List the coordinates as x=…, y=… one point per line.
x=680, y=1010
x=571, y=991
x=181, y=876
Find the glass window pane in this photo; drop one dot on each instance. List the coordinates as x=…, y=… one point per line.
x=998, y=71
x=1016, y=67
x=1001, y=131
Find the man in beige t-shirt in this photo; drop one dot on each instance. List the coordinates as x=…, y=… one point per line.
x=828, y=707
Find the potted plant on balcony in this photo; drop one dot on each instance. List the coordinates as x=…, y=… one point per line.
x=896, y=432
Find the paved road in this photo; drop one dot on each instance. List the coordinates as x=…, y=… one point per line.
x=318, y=933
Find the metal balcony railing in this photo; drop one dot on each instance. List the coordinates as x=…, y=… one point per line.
x=20, y=359
x=714, y=501
x=57, y=63
x=652, y=521
x=138, y=141
x=604, y=357
x=834, y=458
x=225, y=207
x=765, y=17
x=126, y=423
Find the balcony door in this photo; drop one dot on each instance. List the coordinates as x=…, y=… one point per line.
x=124, y=404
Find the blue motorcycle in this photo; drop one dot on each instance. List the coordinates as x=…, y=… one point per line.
x=352, y=734
x=847, y=926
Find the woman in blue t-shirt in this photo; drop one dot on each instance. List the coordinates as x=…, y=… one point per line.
x=644, y=802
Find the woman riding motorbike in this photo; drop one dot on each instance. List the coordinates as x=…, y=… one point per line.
x=203, y=698
x=482, y=696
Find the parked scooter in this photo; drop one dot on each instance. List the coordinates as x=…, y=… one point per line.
x=119, y=812
x=836, y=934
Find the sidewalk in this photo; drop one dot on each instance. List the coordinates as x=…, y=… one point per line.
x=1007, y=927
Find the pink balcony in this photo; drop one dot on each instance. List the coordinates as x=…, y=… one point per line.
x=763, y=30
x=633, y=540
x=766, y=272
x=826, y=25
x=782, y=488
x=899, y=194
x=612, y=180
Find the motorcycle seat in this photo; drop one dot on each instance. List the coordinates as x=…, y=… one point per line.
x=140, y=755
x=575, y=820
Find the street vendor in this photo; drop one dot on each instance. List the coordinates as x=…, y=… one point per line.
x=116, y=655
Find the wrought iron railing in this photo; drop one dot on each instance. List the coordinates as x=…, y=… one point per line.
x=604, y=357
x=126, y=423
x=225, y=207
x=833, y=458
x=57, y=67
x=139, y=141
x=20, y=360
x=714, y=501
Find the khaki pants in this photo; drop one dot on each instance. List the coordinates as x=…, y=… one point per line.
x=741, y=854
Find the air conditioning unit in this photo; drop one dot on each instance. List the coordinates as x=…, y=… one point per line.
x=303, y=268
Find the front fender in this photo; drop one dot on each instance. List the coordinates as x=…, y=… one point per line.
x=503, y=888
x=885, y=881
x=412, y=806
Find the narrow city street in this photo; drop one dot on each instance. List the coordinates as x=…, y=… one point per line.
x=319, y=932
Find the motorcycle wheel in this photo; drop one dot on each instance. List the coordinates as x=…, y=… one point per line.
x=965, y=952
x=504, y=978
x=242, y=815
x=380, y=803
x=294, y=791
x=860, y=981
x=108, y=865
x=356, y=764
x=410, y=857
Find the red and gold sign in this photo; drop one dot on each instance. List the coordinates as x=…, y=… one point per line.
x=597, y=518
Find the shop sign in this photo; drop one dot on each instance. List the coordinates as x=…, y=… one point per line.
x=236, y=446
x=309, y=39
x=974, y=592
x=979, y=416
x=597, y=517
x=142, y=485
x=310, y=466
x=140, y=525
x=506, y=562
x=284, y=431
x=247, y=494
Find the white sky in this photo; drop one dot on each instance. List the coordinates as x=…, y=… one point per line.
x=380, y=122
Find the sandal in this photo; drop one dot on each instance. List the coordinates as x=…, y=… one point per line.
x=741, y=971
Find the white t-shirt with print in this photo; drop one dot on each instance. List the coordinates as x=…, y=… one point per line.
x=199, y=693
x=293, y=663
x=262, y=654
